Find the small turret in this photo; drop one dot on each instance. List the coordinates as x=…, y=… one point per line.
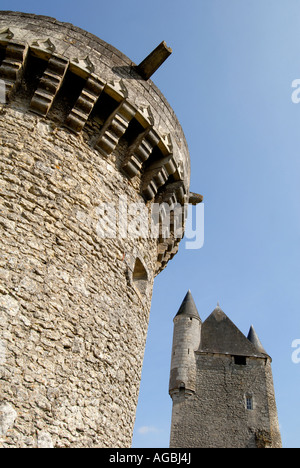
x=252, y=336
x=186, y=340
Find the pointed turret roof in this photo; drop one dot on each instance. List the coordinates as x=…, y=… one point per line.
x=219, y=335
x=188, y=307
x=252, y=336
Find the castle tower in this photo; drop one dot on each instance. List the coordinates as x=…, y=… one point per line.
x=231, y=403
x=87, y=143
x=186, y=340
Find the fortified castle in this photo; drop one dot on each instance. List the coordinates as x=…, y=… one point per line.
x=83, y=131
x=221, y=384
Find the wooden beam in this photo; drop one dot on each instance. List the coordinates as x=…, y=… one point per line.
x=152, y=63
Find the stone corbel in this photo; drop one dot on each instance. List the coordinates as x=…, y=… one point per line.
x=85, y=104
x=49, y=85
x=12, y=67
x=139, y=152
x=114, y=128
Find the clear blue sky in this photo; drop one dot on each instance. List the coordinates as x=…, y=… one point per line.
x=229, y=81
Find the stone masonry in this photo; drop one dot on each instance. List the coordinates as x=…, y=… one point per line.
x=80, y=127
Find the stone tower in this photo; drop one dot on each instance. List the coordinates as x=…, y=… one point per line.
x=85, y=137
x=221, y=385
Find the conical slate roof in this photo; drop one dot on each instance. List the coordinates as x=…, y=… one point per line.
x=252, y=336
x=188, y=307
x=219, y=335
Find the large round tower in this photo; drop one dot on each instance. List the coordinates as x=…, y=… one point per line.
x=87, y=141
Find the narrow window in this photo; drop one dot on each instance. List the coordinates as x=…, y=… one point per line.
x=240, y=360
x=249, y=403
x=182, y=387
x=140, y=278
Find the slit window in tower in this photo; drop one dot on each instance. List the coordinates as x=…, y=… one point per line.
x=140, y=277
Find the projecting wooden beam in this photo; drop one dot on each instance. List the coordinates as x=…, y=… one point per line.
x=195, y=198
x=152, y=63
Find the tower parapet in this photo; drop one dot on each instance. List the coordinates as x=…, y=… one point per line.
x=80, y=128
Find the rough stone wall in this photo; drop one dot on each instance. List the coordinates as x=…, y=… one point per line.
x=79, y=129
x=215, y=416
x=73, y=327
